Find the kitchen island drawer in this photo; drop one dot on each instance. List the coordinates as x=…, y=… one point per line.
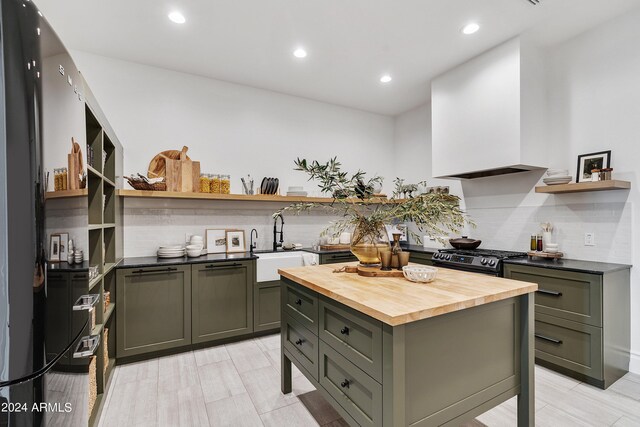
x=302, y=344
x=354, y=335
x=566, y=294
x=337, y=257
x=301, y=304
x=357, y=393
x=571, y=345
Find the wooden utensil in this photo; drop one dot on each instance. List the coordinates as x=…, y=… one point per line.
x=157, y=166
x=182, y=175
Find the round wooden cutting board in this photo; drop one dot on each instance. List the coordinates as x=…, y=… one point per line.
x=158, y=166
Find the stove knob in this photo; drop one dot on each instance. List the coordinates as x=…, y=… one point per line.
x=436, y=256
x=448, y=257
x=492, y=262
x=483, y=261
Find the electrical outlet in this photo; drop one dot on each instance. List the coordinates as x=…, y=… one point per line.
x=589, y=239
x=61, y=69
x=187, y=237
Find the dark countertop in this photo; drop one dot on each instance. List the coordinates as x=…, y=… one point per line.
x=592, y=267
x=65, y=267
x=153, y=261
x=410, y=248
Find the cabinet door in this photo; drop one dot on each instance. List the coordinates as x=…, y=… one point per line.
x=266, y=306
x=59, y=314
x=222, y=300
x=153, y=309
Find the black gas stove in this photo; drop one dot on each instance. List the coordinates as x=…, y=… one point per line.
x=477, y=260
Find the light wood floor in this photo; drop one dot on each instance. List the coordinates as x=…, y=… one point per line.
x=239, y=385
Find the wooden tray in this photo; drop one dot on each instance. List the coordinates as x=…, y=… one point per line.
x=376, y=272
x=537, y=254
x=334, y=247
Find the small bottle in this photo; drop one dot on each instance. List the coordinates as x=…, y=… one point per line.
x=534, y=242
x=539, y=243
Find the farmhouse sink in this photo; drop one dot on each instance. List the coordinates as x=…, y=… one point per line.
x=269, y=263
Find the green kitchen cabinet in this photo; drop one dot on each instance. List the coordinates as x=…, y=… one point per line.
x=266, y=306
x=221, y=300
x=421, y=258
x=154, y=309
x=334, y=258
x=582, y=321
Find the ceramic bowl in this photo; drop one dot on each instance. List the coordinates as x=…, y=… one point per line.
x=194, y=247
x=421, y=274
x=194, y=253
x=551, y=250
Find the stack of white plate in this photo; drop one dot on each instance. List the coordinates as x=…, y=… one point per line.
x=296, y=191
x=557, y=176
x=175, y=251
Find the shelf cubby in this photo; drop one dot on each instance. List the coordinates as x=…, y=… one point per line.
x=95, y=248
x=109, y=170
x=109, y=235
x=94, y=139
x=95, y=199
x=109, y=216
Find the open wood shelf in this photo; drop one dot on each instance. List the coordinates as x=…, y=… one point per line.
x=234, y=197
x=66, y=193
x=584, y=186
x=109, y=312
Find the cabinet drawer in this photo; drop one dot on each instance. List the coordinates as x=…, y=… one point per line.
x=301, y=305
x=572, y=345
x=337, y=257
x=302, y=344
x=569, y=295
x=354, y=335
x=358, y=393
x=421, y=258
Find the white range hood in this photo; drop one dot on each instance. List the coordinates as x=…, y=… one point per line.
x=488, y=114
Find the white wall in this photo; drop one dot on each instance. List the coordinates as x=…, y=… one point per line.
x=594, y=104
x=231, y=128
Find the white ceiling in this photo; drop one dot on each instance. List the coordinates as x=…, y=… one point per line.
x=351, y=43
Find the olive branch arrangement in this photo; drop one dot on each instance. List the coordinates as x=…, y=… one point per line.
x=354, y=201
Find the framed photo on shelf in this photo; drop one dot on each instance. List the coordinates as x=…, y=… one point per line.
x=64, y=242
x=216, y=241
x=235, y=241
x=54, y=248
x=588, y=162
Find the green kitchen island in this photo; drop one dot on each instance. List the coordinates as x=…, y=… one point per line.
x=389, y=352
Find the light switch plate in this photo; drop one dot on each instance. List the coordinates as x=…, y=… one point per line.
x=69, y=80
x=589, y=239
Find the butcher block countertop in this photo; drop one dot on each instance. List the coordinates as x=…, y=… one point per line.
x=397, y=301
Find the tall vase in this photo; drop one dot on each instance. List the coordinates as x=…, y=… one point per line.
x=367, y=239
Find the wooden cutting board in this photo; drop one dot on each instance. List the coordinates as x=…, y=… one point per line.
x=334, y=247
x=74, y=165
x=537, y=254
x=376, y=272
x=157, y=166
x=182, y=175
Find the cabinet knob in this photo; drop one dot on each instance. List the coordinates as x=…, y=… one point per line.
x=345, y=384
x=299, y=341
x=344, y=330
x=298, y=301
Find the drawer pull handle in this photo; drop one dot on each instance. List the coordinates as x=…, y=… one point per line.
x=552, y=293
x=344, y=331
x=299, y=341
x=298, y=301
x=210, y=266
x=155, y=271
x=345, y=384
x=552, y=340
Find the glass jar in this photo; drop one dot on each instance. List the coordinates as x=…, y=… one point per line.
x=215, y=183
x=205, y=183
x=56, y=180
x=367, y=240
x=225, y=184
x=64, y=179
x=595, y=175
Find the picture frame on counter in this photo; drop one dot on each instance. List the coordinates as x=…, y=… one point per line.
x=235, y=241
x=216, y=240
x=590, y=161
x=64, y=243
x=54, y=248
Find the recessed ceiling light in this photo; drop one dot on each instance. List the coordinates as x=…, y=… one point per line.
x=385, y=79
x=300, y=53
x=470, y=28
x=177, y=17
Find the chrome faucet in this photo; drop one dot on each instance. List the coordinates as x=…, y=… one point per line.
x=278, y=244
x=252, y=245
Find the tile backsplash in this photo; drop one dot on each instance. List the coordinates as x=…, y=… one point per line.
x=511, y=228
x=149, y=225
